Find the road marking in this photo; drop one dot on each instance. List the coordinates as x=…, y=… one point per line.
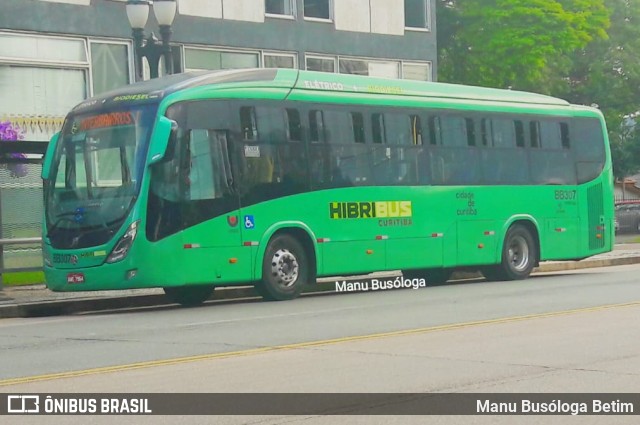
x=262, y=350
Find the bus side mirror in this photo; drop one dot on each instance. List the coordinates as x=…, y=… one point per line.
x=163, y=140
x=48, y=157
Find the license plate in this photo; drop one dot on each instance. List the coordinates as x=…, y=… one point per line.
x=75, y=278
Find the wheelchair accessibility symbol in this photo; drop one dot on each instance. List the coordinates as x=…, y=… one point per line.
x=249, y=222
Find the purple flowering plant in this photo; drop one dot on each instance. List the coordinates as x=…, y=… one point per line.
x=9, y=133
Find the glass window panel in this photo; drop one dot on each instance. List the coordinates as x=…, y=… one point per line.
x=317, y=9
x=239, y=60
x=415, y=13
x=109, y=66
x=321, y=64
x=279, y=7
x=41, y=91
x=202, y=59
x=42, y=48
x=354, y=66
x=384, y=69
x=416, y=72
x=279, y=61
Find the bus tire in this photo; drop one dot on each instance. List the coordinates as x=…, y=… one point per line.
x=435, y=276
x=189, y=296
x=285, y=269
x=519, y=253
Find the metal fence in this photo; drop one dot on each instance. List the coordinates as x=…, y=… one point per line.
x=21, y=206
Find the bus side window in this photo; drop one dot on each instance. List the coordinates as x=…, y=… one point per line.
x=471, y=131
x=294, y=125
x=519, y=134
x=378, y=128
x=534, y=130
x=357, y=125
x=316, y=126
x=435, y=131
x=248, y=123
x=416, y=130
x=550, y=135
x=564, y=135
x=486, y=132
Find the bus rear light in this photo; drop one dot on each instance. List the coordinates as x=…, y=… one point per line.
x=120, y=251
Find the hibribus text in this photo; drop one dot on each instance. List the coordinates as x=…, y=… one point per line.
x=377, y=285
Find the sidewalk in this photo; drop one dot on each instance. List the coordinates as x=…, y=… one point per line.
x=37, y=300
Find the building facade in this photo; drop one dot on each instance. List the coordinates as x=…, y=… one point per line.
x=55, y=53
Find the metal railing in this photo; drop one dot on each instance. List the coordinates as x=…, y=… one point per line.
x=17, y=241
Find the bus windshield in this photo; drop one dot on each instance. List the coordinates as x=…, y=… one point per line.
x=96, y=175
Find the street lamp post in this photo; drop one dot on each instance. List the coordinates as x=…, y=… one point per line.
x=151, y=48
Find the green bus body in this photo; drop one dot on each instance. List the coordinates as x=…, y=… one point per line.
x=428, y=185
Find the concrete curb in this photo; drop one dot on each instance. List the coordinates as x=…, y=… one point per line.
x=96, y=304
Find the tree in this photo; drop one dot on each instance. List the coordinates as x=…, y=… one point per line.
x=606, y=73
x=514, y=43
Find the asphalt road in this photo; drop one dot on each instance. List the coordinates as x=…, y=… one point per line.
x=558, y=332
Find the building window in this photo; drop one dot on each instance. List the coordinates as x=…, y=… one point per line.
x=416, y=71
x=280, y=7
x=44, y=77
x=388, y=69
x=279, y=60
x=319, y=9
x=110, y=66
x=202, y=59
x=321, y=64
x=416, y=14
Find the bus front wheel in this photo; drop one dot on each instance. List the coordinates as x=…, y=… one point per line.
x=189, y=296
x=285, y=269
x=519, y=256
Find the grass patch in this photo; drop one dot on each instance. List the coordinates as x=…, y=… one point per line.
x=22, y=278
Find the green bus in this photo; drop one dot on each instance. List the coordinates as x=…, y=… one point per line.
x=276, y=177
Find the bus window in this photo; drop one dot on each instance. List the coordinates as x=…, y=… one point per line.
x=550, y=135
x=564, y=135
x=471, y=131
x=357, y=124
x=377, y=127
x=294, y=126
x=416, y=130
x=248, y=123
x=519, y=134
x=503, y=133
x=454, y=132
x=316, y=126
x=534, y=130
x=486, y=132
x=435, y=131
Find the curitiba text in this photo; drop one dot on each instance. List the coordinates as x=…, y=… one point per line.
x=378, y=285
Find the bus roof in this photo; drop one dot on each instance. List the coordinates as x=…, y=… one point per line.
x=157, y=89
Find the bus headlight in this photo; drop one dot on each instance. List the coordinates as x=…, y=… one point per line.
x=124, y=244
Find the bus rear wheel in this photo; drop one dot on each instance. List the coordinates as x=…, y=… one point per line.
x=432, y=276
x=519, y=256
x=285, y=269
x=189, y=296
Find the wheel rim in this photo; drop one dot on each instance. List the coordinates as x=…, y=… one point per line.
x=284, y=267
x=518, y=253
